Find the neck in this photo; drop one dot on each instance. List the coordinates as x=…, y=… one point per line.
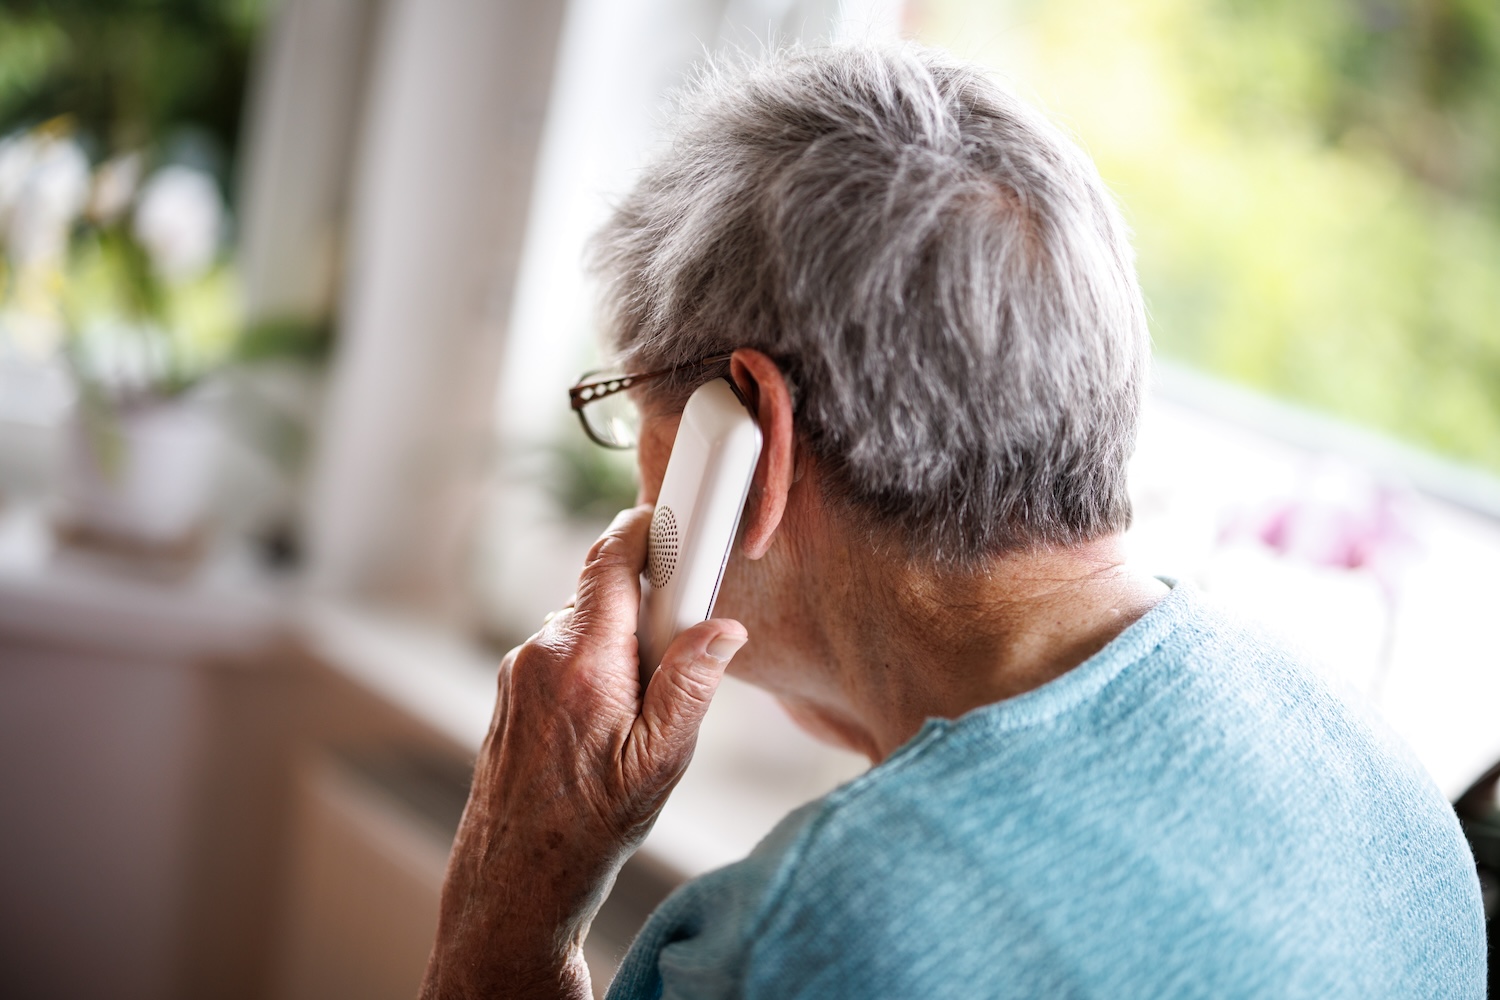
x=896, y=646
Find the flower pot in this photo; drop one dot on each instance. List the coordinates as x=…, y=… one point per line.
x=140, y=475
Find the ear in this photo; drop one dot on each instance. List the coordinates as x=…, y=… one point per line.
x=763, y=385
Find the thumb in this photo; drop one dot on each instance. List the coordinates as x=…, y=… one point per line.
x=682, y=688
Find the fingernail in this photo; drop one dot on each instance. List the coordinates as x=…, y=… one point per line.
x=725, y=646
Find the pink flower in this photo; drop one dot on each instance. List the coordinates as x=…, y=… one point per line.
x=1339, y=517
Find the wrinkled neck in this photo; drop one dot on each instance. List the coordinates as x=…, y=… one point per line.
x=899, y=645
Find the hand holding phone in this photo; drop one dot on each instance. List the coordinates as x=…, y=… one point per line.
x=697, y=516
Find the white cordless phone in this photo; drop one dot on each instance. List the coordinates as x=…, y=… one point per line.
x=697, y=515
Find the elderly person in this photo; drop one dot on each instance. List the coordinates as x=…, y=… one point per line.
x=1087, y=781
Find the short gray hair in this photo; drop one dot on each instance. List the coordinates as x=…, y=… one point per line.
x=939, y=271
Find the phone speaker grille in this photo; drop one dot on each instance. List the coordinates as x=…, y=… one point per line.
x=661, y=553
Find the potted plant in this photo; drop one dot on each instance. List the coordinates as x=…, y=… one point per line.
x=122, y=272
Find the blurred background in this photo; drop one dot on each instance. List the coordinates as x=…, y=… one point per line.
x=290, y=293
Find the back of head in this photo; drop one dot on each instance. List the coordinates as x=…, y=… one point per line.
x=938, y=270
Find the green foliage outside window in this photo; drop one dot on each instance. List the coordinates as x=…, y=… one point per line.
x=129, y=72
x=1314, y=186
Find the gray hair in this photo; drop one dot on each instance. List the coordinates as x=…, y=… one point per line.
x=939, y=271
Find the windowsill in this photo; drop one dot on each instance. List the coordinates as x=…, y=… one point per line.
x=52, y=595
x=753, y=766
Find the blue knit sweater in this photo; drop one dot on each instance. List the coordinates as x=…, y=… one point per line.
x=1190, y=813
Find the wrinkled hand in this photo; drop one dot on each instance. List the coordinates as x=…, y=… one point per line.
x=574, y=771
